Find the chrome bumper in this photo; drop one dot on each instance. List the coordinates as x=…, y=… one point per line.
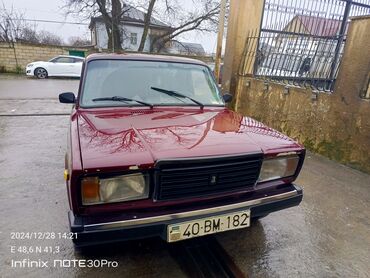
x=262, y=206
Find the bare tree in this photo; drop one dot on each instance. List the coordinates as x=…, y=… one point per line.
x=29, y=34
x=148, y=16
x=202, y=17
x=11, y=25
x=111, y=12
x=46, y=37
x=78, y=41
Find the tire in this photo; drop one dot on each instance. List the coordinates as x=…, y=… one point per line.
x=41, y=73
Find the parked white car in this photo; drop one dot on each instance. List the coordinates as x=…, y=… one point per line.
x=63, y=65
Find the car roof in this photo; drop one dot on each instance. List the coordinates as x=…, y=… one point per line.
x=143, y=57
x=71, y=56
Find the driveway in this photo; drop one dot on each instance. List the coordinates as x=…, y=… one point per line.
x=327, y=236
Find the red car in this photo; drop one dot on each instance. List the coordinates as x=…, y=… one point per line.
x=153, y=151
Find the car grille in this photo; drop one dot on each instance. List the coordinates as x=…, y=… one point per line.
x=200, y=177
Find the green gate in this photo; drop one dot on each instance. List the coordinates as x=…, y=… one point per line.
x=79, y=53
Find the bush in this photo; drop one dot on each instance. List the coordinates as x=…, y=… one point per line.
x=18, y=69
x=2, y=69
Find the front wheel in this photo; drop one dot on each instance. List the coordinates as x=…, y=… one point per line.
x=41, y=73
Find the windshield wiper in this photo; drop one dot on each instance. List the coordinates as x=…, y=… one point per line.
x=123, y=99
x=176, y=94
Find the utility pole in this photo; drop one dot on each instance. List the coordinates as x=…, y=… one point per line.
x=220, y=36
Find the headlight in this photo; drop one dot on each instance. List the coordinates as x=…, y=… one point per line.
x=277, y=168
x=116, y=189
x=29, y=65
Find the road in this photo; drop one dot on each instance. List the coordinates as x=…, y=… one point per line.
x=327, y=236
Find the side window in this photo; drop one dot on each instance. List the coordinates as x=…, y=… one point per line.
x=55, y=60
x=63, y=60
x=133, y=38
x=75, y=60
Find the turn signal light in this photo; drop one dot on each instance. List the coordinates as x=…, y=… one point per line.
x=66, y=175
x=90, y=190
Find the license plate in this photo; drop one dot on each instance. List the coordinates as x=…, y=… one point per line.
x=209, y=225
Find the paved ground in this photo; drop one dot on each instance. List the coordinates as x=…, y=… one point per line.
x=327, y=236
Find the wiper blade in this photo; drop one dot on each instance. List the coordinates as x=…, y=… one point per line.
x=177, y=94
x=122, y=99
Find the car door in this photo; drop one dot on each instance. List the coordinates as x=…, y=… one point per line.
x=77, y=67
x=61, y=66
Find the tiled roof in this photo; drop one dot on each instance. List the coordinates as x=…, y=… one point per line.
x=189, y=47
x=319, y=26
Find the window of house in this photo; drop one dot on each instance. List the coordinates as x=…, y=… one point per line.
x=133, y=38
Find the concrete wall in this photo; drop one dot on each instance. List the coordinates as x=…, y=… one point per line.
x=336, y=125
x=27, y=53
x=244, y=20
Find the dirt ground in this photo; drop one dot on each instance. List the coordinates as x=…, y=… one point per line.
x=326, y=236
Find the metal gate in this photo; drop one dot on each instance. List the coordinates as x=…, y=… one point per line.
x=302, y=42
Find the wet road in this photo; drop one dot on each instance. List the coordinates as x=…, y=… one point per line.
x=327, y=236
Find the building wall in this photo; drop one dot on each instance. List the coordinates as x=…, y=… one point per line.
x=102, y=37
x=139, y=33
x=336, y=125
x=27, y=53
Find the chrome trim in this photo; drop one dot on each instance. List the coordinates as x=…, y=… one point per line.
x=287, y=154
x=180, y=215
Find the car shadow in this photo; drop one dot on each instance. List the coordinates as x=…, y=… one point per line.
x=246, y=247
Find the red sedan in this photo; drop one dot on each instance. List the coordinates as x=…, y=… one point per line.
x=153, y=151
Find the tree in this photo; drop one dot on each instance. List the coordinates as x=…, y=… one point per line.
x=111, y=12
x=148, y=16
x=78, y=41
x=29, y=35
x=11, y=25
x=46, y=37
x=202, y=17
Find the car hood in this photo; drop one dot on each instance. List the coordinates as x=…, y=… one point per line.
x=121, y=138
x=38, y=62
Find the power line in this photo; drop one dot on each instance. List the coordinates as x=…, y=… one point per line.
x=51, y=21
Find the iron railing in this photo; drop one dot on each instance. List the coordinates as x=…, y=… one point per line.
x=302, y=42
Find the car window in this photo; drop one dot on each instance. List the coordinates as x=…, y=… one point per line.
x=63, y=60
x=134, y=79
x=76, y=60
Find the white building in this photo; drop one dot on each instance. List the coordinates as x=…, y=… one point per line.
x=132, y=30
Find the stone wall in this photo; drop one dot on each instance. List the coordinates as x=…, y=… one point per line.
x=24, y=53
x=27, y=53
x=336, y=125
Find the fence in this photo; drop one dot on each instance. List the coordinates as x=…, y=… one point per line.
x=302, y=42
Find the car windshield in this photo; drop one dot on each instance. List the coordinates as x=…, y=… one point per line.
x=136, y=79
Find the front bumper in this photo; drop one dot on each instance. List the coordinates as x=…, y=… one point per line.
x=100, y=232
x=29, y=72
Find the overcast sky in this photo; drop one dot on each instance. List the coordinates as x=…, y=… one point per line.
x=52, y=10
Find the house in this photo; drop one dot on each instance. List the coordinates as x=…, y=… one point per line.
x=314, y=30
x=132, y=26
x=132, y=30
x=306, y=47
x=185, y=48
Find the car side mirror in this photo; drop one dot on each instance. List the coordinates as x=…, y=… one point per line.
x=67, y=98
x=227, y=97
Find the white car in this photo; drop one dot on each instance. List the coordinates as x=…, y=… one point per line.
x=63, y=65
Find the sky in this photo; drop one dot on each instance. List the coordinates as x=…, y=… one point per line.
x=52, y=10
